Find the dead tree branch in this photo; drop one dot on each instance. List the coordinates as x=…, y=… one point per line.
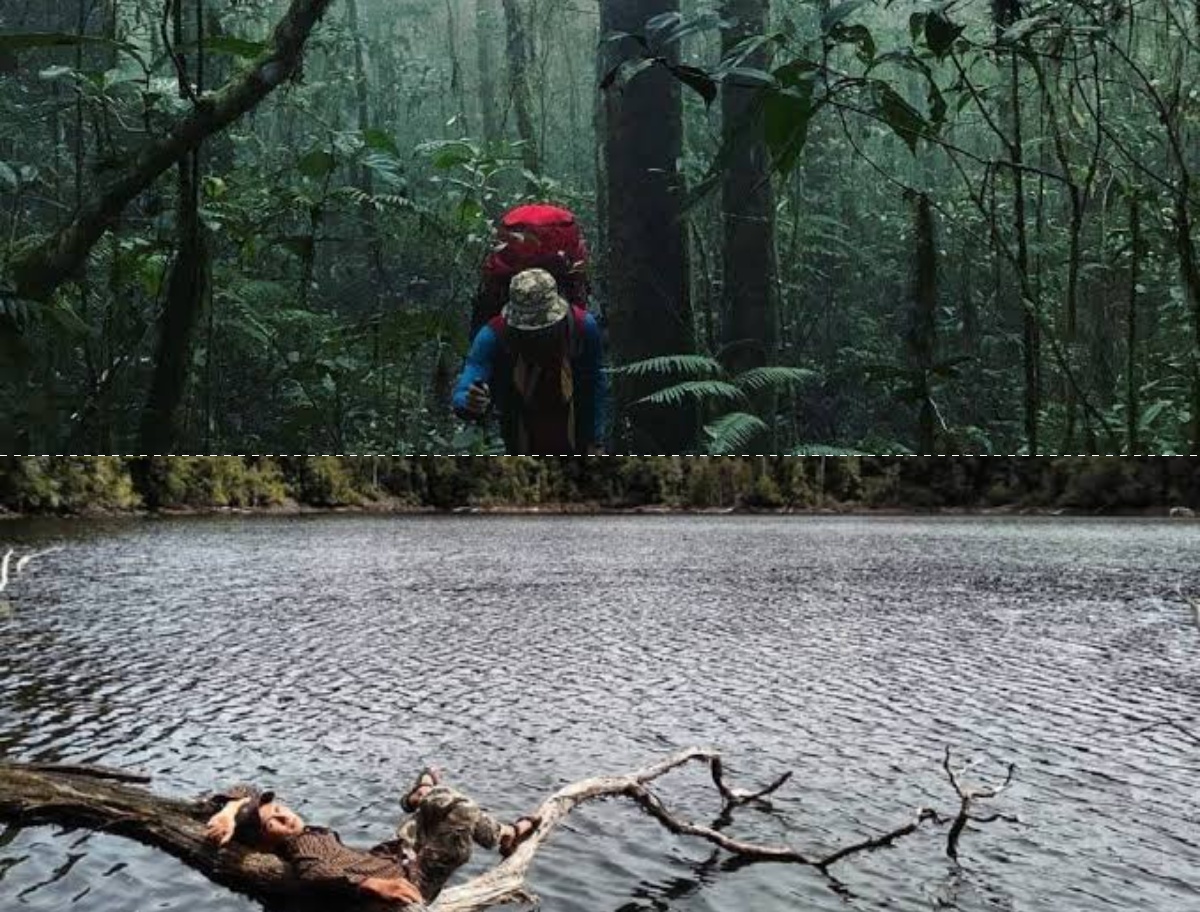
x=88, y=797
x=967, y=797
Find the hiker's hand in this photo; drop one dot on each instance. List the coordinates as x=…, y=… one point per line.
x=393, y=889
x=220, y=827
x=479, y=398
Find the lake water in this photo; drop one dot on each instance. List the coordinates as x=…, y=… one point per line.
x=332, y=657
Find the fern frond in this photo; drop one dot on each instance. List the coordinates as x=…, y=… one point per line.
x=774, y=378
x=820, y=449
x=700, y=390
x=732, y=433
x=667, y=365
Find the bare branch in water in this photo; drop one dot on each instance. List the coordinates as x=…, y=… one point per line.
x=88, y=797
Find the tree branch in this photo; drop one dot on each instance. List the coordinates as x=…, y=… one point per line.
x=967, y=797
x=75, y=796
x=39, y=273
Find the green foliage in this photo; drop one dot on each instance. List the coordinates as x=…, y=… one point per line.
x=75, y=484
x=325, y=482
x=732, y=430
x=66, y=484
x=348, y=217
x=735, y=432
x=764, y=494
x=204, y=482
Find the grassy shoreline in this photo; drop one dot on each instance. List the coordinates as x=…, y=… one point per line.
x=389, y=507
x=621, y=485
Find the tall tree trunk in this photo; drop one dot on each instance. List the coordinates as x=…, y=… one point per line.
x=750, y=330
x=518, y=85
x=922, y=335
x=461, y=118
x=1132, y=407
x=1189, y=265
x=1005, y=14
x=647, y=263
x=363, y=178
x=161, y=421
x=485, y=28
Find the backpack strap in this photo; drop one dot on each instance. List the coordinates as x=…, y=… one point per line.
x=576, y=332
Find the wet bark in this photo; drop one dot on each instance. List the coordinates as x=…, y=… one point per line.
x=78, y=797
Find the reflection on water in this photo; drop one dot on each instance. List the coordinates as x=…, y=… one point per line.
x=331, y=657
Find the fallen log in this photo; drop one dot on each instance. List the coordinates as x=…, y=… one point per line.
x=93, y=798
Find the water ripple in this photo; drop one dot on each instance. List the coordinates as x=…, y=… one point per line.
x=330, y=657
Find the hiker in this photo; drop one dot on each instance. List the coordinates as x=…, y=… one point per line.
x=412, y=868
x=540, y=362
x=539, y=236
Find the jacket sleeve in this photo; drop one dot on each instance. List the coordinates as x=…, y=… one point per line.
x=480, y=364
x=593, y=365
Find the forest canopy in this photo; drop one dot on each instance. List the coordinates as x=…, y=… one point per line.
x=816, y=226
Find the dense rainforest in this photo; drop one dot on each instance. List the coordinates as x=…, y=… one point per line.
x=816, y=226
x=115, y=484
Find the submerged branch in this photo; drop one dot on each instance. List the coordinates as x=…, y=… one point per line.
x=88, y=797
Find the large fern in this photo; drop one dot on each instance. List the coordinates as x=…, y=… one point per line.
x=698, y=390
x=732, y=433
x=673, y=365
x=773, y=378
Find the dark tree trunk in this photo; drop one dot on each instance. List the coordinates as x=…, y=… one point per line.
x=750, y=326
x=162, y=430
x=1189, y=264
x=922, y=335
x=1132, y=407
x=518, y=85
x=1006, y=13
x=647, y=263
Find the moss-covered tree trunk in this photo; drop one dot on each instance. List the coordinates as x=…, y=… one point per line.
x=518, y=85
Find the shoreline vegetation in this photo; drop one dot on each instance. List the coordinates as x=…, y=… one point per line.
x=107, y=486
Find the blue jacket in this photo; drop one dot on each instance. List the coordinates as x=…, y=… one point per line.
x=490, y=362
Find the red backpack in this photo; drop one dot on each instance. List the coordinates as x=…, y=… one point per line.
x=539, y=236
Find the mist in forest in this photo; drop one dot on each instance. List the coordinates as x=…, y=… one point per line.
x=813, y=226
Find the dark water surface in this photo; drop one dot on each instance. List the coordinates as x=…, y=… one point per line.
x=331, y=657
